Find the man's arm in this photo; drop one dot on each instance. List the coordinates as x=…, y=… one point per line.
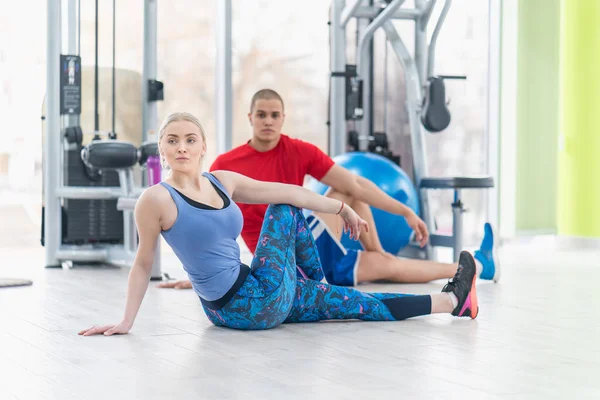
x=323, y=168
x=364, y=190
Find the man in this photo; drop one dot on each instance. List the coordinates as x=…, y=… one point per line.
x=275, y=157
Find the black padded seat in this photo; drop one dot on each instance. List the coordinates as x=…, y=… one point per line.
x=458, y=183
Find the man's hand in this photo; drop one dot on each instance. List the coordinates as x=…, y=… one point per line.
x=176, y=285
x=418, y=225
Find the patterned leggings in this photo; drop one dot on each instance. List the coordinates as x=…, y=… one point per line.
x=272, y=294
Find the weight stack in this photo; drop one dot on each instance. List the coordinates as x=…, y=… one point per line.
x=90, y=221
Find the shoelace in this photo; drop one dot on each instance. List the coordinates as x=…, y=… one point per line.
x=456, y=275
x=450, y=284
x=452, y=281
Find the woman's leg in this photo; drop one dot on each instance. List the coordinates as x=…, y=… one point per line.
x=307, y=254
x=315, y=301
x=267, y=295
x=285, y=233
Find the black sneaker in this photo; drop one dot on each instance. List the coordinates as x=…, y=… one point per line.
x=463, y=287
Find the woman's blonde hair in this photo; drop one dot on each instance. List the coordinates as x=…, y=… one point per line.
x=175, y=117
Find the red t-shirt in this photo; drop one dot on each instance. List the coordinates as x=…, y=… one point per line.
x=289, y=162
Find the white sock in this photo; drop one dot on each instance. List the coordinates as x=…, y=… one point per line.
x=454, y=299
x=479, y=267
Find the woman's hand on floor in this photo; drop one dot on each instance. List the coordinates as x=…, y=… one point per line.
x=107, y=330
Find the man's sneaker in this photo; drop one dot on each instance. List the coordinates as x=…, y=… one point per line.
x=487, y=256
x=463, y=287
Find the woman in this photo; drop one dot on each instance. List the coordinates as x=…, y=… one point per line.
x=197, y=215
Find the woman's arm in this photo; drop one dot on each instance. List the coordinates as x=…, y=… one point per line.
x=147, y=219
x=251, y=191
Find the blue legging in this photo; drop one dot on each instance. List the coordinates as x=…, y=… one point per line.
x=272, y=294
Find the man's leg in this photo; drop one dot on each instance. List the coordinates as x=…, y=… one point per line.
x=374, y=264
x=487, y=257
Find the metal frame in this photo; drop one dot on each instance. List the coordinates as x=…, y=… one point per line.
x=337, y=122
x=363, y=68
x=223, y=88
x=414, y=99
x=492, y=143
x=149, y=110
x=52, y=144
x=54, y=190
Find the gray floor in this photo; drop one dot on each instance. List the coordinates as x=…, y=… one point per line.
x=537, y=336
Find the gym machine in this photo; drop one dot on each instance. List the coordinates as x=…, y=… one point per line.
x=89, y=191
x=351, y=99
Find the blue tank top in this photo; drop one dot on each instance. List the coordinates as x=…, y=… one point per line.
x=205, y=243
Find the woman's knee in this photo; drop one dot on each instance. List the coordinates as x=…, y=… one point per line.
x=282, y=208
x=283, y=212
x=374, y=266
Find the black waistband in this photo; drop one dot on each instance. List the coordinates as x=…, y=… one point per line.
x=220, y=303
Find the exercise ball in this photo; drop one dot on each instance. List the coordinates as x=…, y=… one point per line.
x=394, y=233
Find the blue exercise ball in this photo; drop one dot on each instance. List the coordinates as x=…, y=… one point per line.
x=393, y=230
